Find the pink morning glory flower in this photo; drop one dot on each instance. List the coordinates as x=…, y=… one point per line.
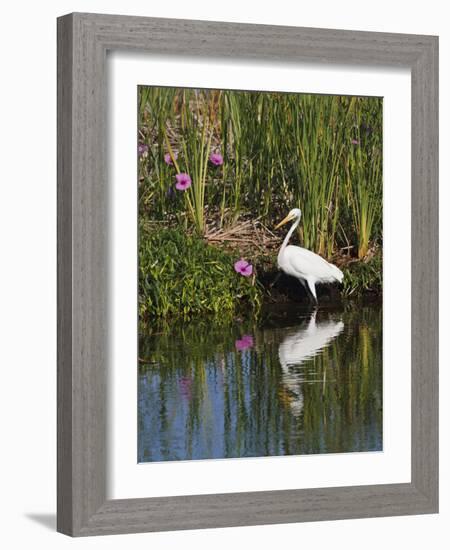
x=168, y=159
x=142, y=149
x=183, y=181
x=244, y=343
x=216, y=159
x=355, y=142
x=243, y=267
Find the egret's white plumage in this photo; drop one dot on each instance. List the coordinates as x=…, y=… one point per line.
x=309, y=268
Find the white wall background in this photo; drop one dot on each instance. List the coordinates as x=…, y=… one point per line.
x=28, y=271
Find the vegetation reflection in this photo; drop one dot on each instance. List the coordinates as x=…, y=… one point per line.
x=290, y=386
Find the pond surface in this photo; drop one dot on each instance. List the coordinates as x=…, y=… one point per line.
x=296, y=383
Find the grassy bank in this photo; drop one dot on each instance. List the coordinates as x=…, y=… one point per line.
x=219, y=169
x=182, y=275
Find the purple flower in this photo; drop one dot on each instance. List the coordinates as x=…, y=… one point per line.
x=168, y=159
x=355, y=141
x=142, y=149
x=216, y=159
x=243, y=267
x=244, y=343
x=183, y=181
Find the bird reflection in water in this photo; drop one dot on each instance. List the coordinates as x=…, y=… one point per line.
x=296, y=348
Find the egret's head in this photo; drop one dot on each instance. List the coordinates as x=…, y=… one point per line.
x=294, y=214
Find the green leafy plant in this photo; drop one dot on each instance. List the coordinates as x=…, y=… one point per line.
x=363, y=277
x=181, y=275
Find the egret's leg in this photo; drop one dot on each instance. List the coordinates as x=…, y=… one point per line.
x=304, y=285
x=312, y=288
x=309, y=294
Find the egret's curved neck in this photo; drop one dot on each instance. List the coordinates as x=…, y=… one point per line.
x=288, y=236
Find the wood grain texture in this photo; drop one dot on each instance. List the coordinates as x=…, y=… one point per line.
x=256, y=508
x=425, y=272
x=82, y=261
x=83, y=199
x=64, y=252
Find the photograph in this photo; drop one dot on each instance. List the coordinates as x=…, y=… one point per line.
x=260, y=274
x=225, y=258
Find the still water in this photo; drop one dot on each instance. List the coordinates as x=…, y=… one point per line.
x=296, y=383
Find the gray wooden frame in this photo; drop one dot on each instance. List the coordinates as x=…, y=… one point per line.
x=83, y=40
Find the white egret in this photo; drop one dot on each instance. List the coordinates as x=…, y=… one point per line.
x=306, y=266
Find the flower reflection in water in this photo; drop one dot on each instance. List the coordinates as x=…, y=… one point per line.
x=244, y=343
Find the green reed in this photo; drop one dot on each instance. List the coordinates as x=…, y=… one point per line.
x=321, y=153
x=318, y=137
x=363, y=173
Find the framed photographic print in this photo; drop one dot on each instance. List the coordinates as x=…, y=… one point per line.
x=247, y=274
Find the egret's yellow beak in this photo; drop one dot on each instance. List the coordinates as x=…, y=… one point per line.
x=288, y=218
